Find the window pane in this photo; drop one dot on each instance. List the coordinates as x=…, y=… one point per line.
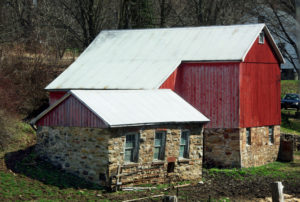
x=130, y=140
x=183, y=140
x=157, y=142
x=248, y=136
x=131, y=148
x=158, y=139
x=184, y=144
x=181, y=151
x=156, y=153
x=271, y=137
x=128, y=155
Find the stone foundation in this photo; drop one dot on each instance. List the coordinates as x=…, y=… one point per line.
x=98, y=154
x=260, y=152
x=228, y=148
x=80, y=151
x=222, y=148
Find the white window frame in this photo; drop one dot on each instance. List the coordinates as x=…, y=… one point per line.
x=187, y=149
x=271, y=136
x=135, y=149
x=248, y=137
x=161, y=155
x=261, y=38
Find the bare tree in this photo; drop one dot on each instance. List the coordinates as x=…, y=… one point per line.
x=17, y=20
x=280, y=16
x=165, y=9
x=81, y=19
x=135, y=14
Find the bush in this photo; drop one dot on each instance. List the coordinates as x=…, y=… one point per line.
x=24, y=77
x=5, y=139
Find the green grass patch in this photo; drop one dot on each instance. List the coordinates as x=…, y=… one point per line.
x=289, y=86
x=18, y=188
x=16, y=135
x=35, y=179
x=289, y=124
x=278, y=170
x=45, y=172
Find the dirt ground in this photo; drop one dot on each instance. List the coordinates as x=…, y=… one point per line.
x=219, y=188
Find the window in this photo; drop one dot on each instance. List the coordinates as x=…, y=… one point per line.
x=184, y=144
x=261, y=38
x=159, y=145
x=271, y=134
x=132, y=147
x=248, y=136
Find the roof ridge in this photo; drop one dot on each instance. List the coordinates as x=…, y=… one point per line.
x=190, y=27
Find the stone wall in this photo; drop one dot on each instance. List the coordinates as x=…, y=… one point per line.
x=98, y=154
x=81, y=151
x=228, y=148
x=222, y=148
x=146, y=170
x=260, y=151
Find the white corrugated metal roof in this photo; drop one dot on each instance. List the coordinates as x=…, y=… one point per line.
x=135, y=107
x=144, y=59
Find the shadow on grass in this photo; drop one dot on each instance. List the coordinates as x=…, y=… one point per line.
x=26, y=162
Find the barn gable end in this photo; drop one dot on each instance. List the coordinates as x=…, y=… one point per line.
x=262, y=53
x=71, y=113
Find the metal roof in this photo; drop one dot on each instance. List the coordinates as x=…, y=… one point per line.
x=119, y=108
x=144, y=59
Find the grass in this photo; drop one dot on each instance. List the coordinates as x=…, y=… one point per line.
x=289, y=86
x=34, y=179
x=20, y=136
x=289, y=124
x=279, y=170
x=19, y=187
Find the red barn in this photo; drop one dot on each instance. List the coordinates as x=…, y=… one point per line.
x=229, y=73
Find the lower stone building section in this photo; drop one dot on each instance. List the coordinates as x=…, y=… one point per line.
x=263, y=147
x=146, y=169
x=222, y=148
x=80, y=151
x=98, y=155
x=241, y=147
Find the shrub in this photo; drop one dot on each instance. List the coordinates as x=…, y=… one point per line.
x=5, y=139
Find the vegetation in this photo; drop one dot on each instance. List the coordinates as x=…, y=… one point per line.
x=289, y=86
x=289, y=124
x=19, y=187
x=14, y=134
x=280, y=170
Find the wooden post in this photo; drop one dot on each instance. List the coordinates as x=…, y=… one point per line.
x=170, y=199
x=277, y=192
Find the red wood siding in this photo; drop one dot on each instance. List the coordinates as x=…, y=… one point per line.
x=170, y=82
x=261, y=53
x=71, y=113
x=259, y=94
x=212, y=88
x=55, y=95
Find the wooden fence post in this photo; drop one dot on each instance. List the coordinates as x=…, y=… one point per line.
x=277, y=192
x=170, y=199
